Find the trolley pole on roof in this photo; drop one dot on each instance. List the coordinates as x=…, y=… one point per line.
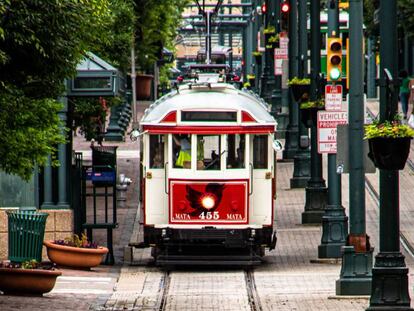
x=334, y=221
x=316, y=191
x=301, y=165
x=390, y=274
x=355, y=277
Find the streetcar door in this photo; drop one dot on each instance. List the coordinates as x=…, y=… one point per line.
x=261, y=181
x=155, y=162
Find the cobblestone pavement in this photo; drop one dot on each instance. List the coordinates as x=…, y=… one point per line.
x=287, y=280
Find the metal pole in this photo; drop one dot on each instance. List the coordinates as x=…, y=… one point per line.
x=390, y=274
x=268, y=77
x=334, y=221
x=301, y=165
x=134, y=89
x=316, y=191
x=355, y=278
x=63, y=167
x=292, y=129
x=208, y=37
x=371, y=70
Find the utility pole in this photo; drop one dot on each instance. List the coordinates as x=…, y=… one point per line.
x=292, y=129
x=301, y=160
x=316, y=191
x=334, y=221
x=355, y=277
x=390, y=274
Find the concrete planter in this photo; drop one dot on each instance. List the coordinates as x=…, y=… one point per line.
x=75, y=257
x=17, y=281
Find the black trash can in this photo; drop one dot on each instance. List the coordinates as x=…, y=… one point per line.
x=26, y=234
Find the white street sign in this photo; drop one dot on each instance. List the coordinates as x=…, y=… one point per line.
x=327, y=123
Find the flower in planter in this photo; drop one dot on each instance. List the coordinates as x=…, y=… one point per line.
x=269, y=30
x=319, y=104
x=298, y=81
x=274, y=38
x=388, y=129
x=76, y=241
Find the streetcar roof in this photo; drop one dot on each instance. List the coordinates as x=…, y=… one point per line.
x=209, y=97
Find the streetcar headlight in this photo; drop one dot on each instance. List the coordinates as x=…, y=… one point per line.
x=208, y=201
x=253, y=233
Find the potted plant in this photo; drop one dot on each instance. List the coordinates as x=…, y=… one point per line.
x=389, y=143
x=308, y=111
x=28, y=277
x=274, y=41
x=300, y=88
x=75, y=252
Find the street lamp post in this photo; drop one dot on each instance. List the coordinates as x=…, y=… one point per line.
x=355, y=277
x=334, y=221
x=316, y=191
x=390, y=274
x=292, y=129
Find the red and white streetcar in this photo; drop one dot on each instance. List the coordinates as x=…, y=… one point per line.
x=208, y=175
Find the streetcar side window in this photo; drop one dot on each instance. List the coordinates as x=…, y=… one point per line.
x=236, y=151
x=208, y=152
x=156, y=149
x=181, y=151
x=260, y=150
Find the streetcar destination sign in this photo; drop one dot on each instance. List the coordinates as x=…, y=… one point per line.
x=327, y=123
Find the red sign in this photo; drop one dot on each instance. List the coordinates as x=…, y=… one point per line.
x=207, y=202
x=333, y=98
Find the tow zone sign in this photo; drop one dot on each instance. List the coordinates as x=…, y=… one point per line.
x=327, y=123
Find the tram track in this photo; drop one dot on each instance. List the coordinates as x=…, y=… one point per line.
x=163, y=293
x=252, y=294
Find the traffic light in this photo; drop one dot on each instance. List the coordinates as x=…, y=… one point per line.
x=334, y=59
x=284, y=15
x=263, y=8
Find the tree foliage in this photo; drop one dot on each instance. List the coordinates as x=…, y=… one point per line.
x=156, y=27
x=41, y=42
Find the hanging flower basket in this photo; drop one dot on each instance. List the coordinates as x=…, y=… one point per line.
x=389, y=153
x=389, y=143
x=258, y=58
x=300, y=91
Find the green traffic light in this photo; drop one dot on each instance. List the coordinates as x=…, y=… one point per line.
x=335, y=74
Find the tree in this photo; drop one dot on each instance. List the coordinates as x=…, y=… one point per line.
x=41, y=42
x=156, y=27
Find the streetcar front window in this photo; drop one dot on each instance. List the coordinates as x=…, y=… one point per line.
x=236, y=151
x=156, y=151
x=208, y=152
x=181, y=151
x=260, y=151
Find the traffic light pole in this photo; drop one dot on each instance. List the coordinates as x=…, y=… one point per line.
x=316, y=191
x=355, y=277
x=292, y=129
x=334, y=221
x=301, y=160
x=390, y=274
